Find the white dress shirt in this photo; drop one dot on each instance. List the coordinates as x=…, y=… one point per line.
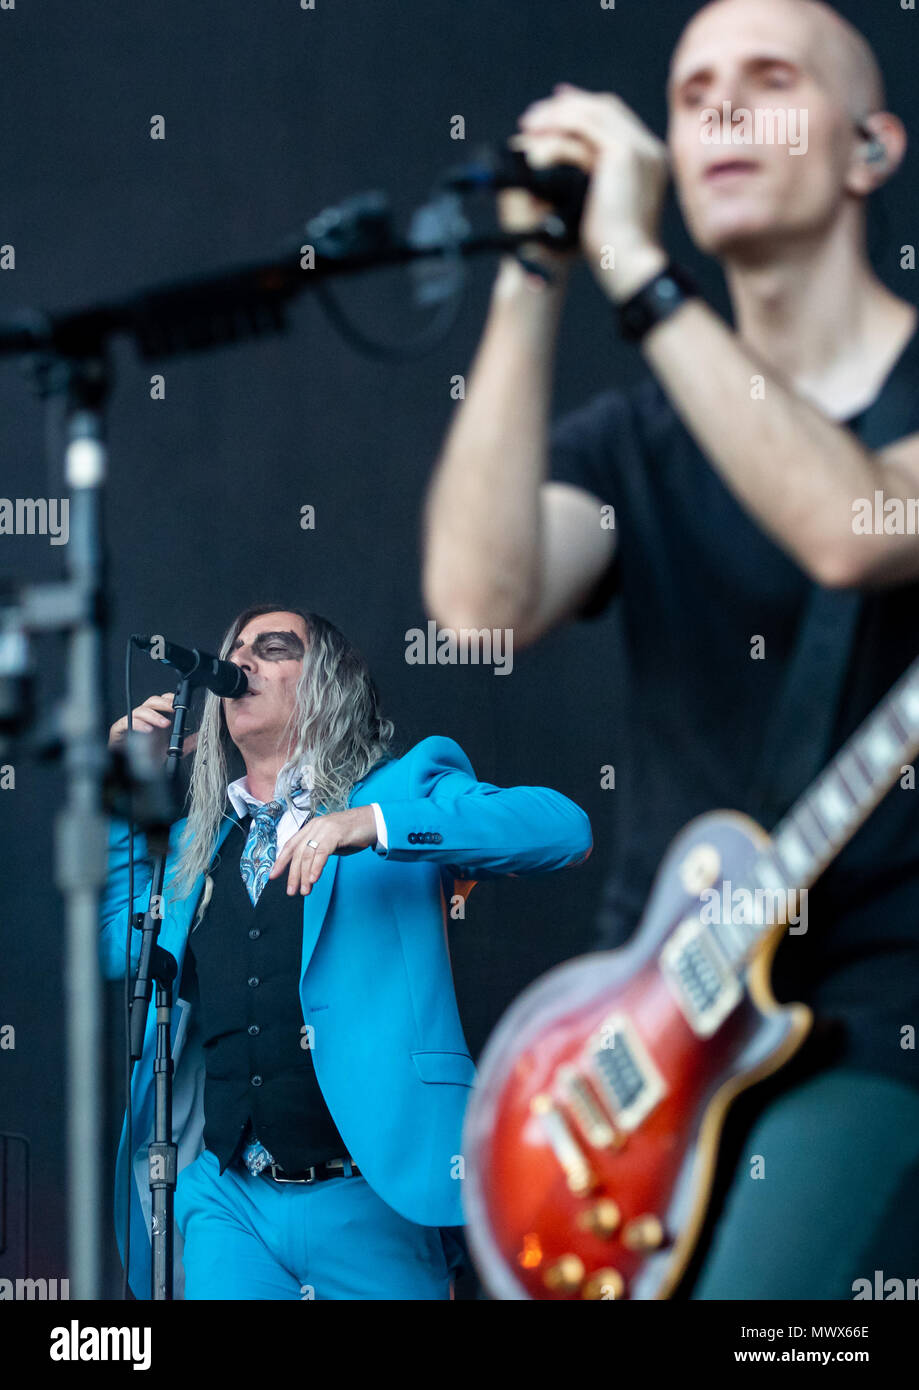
x=296, y=812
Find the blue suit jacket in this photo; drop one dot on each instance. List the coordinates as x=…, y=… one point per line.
x=376, y=987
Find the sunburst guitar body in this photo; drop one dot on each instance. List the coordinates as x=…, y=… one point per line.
x=592, y=1133
x=592, y=1136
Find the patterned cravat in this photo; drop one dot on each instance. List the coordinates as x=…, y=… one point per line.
x=261, y=850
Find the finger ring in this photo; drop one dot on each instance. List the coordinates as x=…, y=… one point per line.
x=313, y=844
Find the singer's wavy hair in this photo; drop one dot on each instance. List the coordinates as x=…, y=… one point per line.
x=335, y=724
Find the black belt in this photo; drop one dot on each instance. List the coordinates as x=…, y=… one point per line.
x=320, y=1172
x=258, y=1161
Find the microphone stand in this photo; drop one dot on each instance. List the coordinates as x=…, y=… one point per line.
x=81, y=826
x=68, y=355
x=157, y=964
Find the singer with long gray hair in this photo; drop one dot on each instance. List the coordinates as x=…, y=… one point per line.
x=321, y=1071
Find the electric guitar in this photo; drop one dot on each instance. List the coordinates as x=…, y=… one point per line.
x=593, y=1128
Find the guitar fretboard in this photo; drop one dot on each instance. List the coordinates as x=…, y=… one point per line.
x=826, y=817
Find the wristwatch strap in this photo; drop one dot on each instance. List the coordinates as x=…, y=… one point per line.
x=655, y=301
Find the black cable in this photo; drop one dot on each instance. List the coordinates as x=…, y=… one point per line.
x=436, y=332
x=439, y=226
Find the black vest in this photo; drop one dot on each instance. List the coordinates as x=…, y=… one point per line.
x=259, y=1066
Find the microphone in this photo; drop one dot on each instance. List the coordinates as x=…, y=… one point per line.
x=497, y=166
x=197, y=667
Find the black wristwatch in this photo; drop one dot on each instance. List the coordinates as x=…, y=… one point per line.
x=655, y=301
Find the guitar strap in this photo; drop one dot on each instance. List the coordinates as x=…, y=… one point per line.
x=798, y=740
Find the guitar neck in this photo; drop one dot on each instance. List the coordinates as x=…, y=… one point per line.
x=826, y=817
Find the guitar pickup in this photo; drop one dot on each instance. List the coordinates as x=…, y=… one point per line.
x=586, y=1111
x=624, y=1073
x=700, y=977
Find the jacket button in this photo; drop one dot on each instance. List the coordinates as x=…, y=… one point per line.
x=412, y=838
x=254, y=933
x=254, y=1030
x=256, y=1081
x=437, y=838
x=253, y=981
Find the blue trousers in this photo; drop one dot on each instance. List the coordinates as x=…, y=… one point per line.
x=252, y=1238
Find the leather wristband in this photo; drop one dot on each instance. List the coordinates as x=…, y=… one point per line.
x=542, y=272
x=655, y=301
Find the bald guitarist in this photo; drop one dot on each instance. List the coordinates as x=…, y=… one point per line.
x=739, y=474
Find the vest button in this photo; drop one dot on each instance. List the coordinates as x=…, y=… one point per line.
x=256, y=1081
x=254, y=1030
x=253, y=981
x=254, y=933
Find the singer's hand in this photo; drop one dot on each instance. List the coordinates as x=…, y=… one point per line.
x=340, y=832
x=154, y=713
x=629, y=175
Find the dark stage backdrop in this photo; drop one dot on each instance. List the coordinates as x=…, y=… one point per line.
x=271, y=113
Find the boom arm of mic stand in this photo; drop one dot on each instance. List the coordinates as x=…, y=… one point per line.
x=245, y=301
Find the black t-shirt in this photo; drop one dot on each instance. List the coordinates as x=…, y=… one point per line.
x=697, y=579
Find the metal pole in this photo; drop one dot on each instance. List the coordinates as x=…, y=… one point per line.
x=81, y=853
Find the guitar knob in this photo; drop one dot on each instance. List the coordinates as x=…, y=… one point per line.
x=700, y=868
x=604, y=1284
x=566, y=1275
x=602, y=1218
x=643, y=1233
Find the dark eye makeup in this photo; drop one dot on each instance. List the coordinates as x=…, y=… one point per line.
x=277, y=646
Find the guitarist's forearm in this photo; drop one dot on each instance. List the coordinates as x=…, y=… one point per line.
x=798, y=473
